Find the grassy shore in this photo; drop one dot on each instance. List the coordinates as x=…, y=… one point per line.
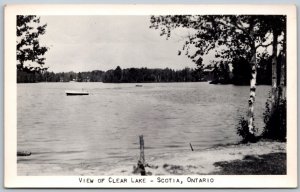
x=268, y=164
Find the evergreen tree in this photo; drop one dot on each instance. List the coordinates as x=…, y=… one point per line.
x=28, y=46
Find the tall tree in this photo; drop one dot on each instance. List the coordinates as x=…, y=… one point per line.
x=228, y=35
x=278, y=28
x=28, y=46
x=117, y=74
x=276, y=25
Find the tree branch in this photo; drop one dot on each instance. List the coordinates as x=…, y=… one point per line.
x=261, y=45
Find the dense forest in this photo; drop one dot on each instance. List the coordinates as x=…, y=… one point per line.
x=217, y=73
x=118, y=75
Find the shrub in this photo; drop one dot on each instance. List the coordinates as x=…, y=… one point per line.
x=243, y=131
x=275, y=122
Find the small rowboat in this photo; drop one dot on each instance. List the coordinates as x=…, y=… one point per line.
x=74, y=93
x=23, y=153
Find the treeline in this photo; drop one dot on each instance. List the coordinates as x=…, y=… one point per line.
x=118, y=75
x=139, y=75
x=45, y=76
x=218, y=73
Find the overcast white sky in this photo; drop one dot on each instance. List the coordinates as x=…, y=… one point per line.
x=85, y=43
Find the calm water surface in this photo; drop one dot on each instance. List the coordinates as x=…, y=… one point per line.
x=102, y=129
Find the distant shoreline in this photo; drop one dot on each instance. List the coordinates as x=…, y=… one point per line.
x=149, y=83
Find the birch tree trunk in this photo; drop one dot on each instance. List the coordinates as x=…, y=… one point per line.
x=252, y=90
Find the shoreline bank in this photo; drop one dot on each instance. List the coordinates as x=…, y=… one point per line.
x=254, y=158
x=261, y=158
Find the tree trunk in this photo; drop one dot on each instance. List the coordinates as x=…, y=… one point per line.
x=282, y=82
x=274, y=71
x=282, y=85
x=252, y=91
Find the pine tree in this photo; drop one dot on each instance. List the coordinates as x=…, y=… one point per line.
x=28, y=46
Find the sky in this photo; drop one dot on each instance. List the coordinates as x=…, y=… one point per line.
x=85, y=43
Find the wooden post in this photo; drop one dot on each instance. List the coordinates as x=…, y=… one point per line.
x=191, y=147
x=142, y=154
x=141, y=162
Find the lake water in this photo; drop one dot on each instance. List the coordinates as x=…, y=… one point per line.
x=71, y=134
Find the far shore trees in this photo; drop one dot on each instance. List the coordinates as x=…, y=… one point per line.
x=118, y=75
x=231, y=37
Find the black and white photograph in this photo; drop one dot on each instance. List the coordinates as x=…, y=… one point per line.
x=178, y=97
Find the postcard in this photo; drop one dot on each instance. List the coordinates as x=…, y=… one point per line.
x=150, y=96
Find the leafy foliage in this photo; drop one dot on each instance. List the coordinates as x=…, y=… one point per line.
x=275, y=121
x=264, y=70
x=228, y=35
x=233, y=38
x=241, y=71
x=221, y=73
x=28, y=46
x=243, y=131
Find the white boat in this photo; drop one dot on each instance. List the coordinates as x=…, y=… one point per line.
x=76, y=92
